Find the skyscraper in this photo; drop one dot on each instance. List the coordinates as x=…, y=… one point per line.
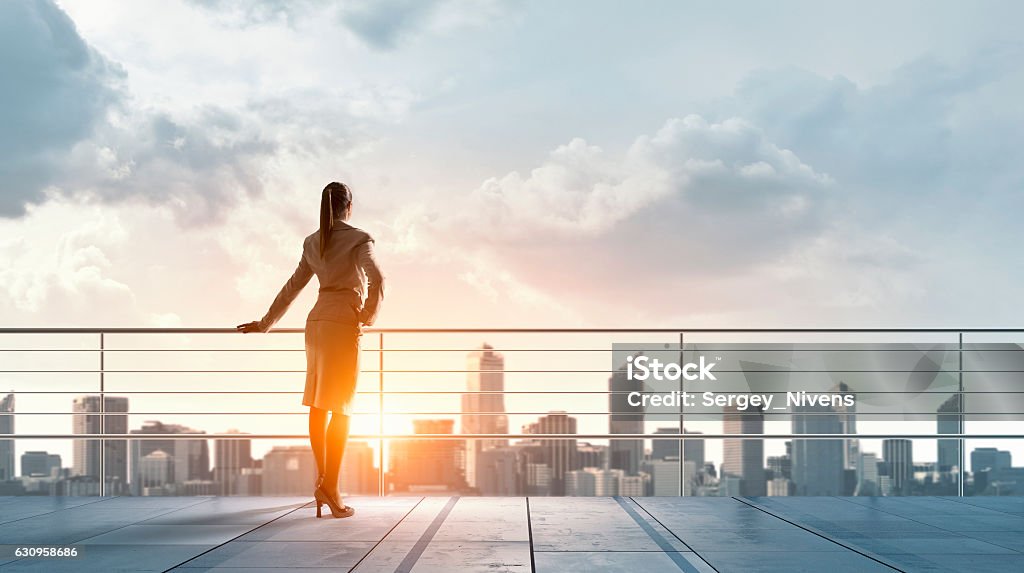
x=817, y=464
x=693, y=450
x=288, y=470
x=501, y=471
x=358, y=475
x=560, y=454
x=848, y=425
x=7, y=446
x=190, y=459
x=625, y=454
x=948, y=422
x=993, y=459
x=39, y=464
x=231, y=455
x=427, y=464
x=90, y=418
x=483, y=405
x=744, y=459
x=898, y=458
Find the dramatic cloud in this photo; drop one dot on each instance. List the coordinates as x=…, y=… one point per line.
x=57, y=89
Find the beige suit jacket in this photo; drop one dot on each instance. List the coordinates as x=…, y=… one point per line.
x=351, y=283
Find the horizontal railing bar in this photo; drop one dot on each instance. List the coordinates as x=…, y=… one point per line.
x=375, y=350
x=527, y=436
x=860, y=415
x=951, y=391
x=454, y=371
x=375, y=330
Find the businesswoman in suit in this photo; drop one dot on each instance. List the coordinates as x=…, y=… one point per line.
x=351, y=288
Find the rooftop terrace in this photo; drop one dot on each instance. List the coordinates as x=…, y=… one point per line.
x=519, y=534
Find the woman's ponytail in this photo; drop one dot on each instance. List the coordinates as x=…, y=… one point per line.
x=326, y=220
x=334, y=202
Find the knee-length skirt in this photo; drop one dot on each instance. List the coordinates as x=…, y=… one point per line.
x=332, y=365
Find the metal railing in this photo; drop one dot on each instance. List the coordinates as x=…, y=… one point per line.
x=103, y=350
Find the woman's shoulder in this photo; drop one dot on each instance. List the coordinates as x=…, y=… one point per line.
x=358, y=235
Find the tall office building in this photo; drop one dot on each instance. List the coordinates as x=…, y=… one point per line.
x=483, y=405
x=817, y=465
x=847, y=416
x=154, y=473
x=591, y=482
x=665, y=477
x=868, y=483
x=693, y=450
x=7, y=446
x=190, y=459
x=501, y=471
x=288, y=470
x=948, y=422
x=358, y=474
x=744, y=459
x=34, y=464
x=560, y=454
x=590, y=456
x=898, y=458
x=231, y=456
x=624, y=454
x=426, y=464
x=990, y=459
x=90, y=418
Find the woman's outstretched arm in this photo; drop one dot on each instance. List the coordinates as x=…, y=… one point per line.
x=374, y=283
x=289, y=291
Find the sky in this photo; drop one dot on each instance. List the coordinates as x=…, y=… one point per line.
x=520, y=164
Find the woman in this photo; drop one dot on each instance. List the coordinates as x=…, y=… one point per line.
x=351, y=288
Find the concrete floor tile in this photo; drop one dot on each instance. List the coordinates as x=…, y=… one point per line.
x=619, y=562
x=245, y=554
x=792, y=562
x=144, y=534
x=445, y=557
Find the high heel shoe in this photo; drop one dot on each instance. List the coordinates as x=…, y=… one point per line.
x=337, y=510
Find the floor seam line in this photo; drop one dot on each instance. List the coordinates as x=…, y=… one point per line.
x=814, y=531
x=194, y=557
x=529, y=531
x=54, y=511
x=421, y=544
x=381, y=540
x=692, y=550
x=680, y=561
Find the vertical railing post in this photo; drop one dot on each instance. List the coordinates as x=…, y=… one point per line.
x=961, y=403
x=682, y=444
x=103, y=421
x=380, y=414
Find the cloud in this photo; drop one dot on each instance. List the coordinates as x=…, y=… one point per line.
x=57, y=90
x=383, y=24
x=62, y=275
x=689, y=168
x=197, y=164
x=386, y=24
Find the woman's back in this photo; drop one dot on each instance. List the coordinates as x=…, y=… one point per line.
x=344, y=272
x=351, y=284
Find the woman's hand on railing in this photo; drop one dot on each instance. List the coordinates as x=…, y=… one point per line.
x=253, y=326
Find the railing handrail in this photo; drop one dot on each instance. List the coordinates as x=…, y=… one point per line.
x=472, y=330
x=588, y=436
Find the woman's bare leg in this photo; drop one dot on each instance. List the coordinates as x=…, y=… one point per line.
x=337, y=436
x=317, y=434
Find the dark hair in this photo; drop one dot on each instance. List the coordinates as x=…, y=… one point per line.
x=336, y=199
